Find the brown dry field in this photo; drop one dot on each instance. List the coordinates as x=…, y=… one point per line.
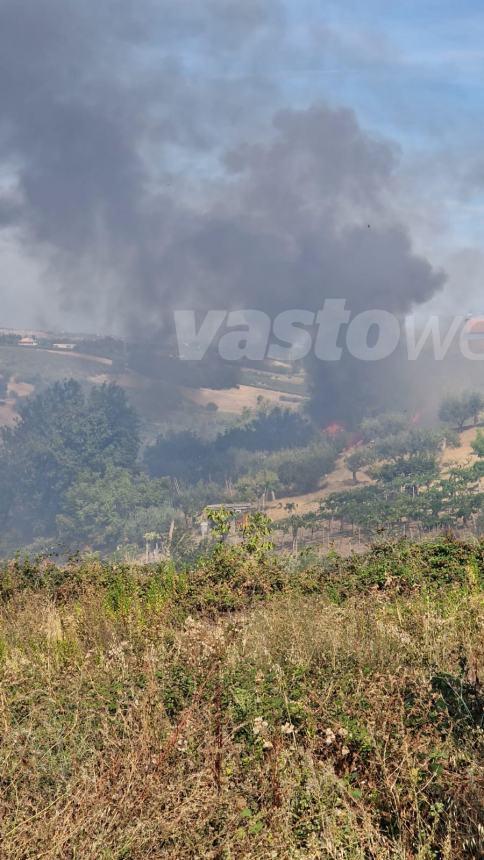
x=234, y=400
x=21, y=389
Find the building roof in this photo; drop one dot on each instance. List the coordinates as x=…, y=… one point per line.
x=475, y=326
x=238, y=507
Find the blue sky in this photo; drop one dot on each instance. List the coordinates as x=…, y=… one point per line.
x=413, y=72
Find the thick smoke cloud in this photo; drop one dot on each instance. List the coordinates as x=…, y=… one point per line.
x=293, y=225
x=99, y=106
x=147, y=159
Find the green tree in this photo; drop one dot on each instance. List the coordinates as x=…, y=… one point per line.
x=113, y=428
x=255, y=485
x=412, y=472
x=457, y=409
x=256, y=534
x=410, y=443
x=388, y=424
x=359, y=459
x=301, y=470
x=104, y=511
x=478, y=444
x=476, y=405
x=221, y=520
x=60, y=434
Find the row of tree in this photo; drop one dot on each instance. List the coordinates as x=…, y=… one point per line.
x=71, y=470
x=407, y=487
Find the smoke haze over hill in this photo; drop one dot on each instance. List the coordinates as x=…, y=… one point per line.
x=159, y=156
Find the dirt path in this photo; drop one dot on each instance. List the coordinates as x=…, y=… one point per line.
x=339, y=479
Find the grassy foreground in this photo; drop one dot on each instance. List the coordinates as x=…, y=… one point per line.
x=253, y=707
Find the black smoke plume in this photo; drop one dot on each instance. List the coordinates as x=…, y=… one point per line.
x=151, y=162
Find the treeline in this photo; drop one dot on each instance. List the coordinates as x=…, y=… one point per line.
x=63, y=441
x=274, y=452
x=187, y=456
x=72, y=471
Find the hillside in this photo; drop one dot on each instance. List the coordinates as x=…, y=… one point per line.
x=340, y=478
x=252, y=707
x=160, y=401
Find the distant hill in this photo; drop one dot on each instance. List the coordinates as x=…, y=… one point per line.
x=167, y=393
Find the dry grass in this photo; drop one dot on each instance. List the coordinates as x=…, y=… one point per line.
x=234, y=400
x=137, y=726
x=464, y=454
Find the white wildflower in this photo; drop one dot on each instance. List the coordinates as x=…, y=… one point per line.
x=260, y=726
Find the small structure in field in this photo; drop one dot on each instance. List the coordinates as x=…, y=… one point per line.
x=240, y=511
